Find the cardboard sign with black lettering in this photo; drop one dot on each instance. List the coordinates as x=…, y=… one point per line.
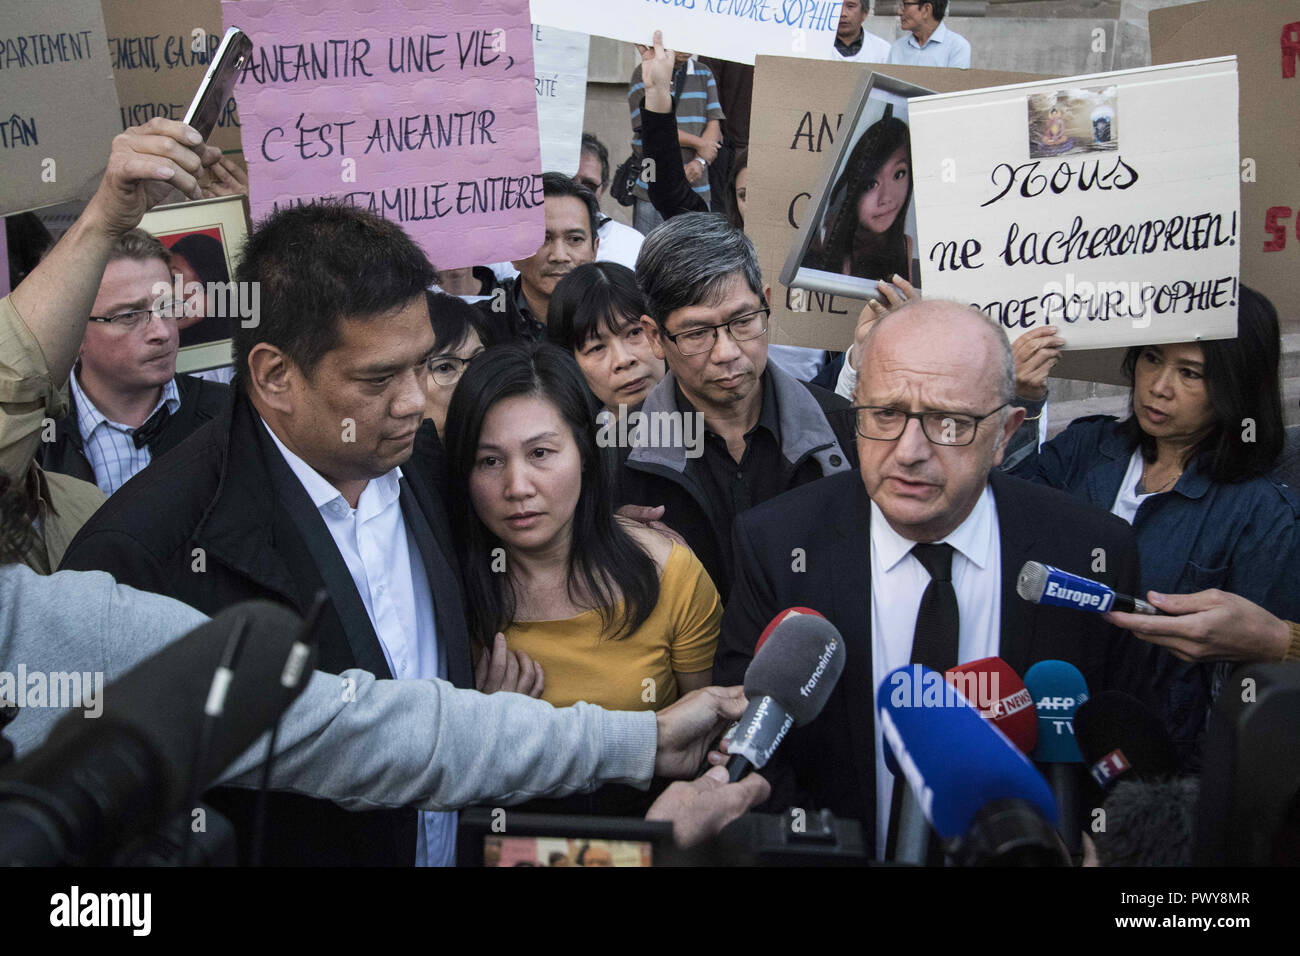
x=60, y=108
x=160, y=50
x=1106, y=204
x=1264, y=35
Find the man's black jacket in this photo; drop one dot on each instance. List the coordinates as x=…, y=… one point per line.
x=831, y=762
x=817, y=439
x=223, y=519
x=201, y=401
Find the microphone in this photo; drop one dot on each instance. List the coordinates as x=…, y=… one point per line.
x=799, y=659
x=95, y=784
x=1121, y=738
x=959, y=766
x=1058, y=689
x=1044, y=584
x=999, y=695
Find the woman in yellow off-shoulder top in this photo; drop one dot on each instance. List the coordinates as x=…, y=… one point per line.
x=591, y=607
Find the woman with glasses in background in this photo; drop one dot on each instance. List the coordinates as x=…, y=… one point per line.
x=460, y=335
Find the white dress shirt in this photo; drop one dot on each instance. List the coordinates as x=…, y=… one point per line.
x=944, y=48
x=109, y=446
x=1127, y=501
x=874, y=49
x=618, y=243
x=898, y=580
x=377, y=548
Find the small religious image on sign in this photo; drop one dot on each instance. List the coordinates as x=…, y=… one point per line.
x=1069, y=122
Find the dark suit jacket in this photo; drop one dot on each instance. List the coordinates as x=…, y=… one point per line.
x=830, y=763
x=201, y=401
x=223, y=519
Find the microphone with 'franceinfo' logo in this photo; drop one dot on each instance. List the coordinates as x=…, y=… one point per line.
x=1044, y=584
x=798, y=660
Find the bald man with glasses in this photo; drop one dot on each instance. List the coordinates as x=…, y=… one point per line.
x=914, y=558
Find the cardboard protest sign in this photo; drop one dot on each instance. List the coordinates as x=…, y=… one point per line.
x=1103, y=204
x=1265, y=37
x=792, y=138
x=60, y=109
x=426, y=118
x=560, y=71
x=160, y=50
x=737, y=30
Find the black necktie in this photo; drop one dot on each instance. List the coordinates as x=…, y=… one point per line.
x=152, y=428
x=934, y=644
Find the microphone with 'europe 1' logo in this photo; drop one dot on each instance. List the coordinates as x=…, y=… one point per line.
x=1000, y=696
x=1059, y=689
x=1044, y=584
x=798, y=660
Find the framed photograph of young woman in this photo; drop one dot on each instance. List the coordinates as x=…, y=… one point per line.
x=205, y=239
x=861, y=224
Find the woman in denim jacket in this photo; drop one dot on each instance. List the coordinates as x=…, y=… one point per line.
x=1188, y=469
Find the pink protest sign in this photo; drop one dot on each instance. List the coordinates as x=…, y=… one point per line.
x=425, y=114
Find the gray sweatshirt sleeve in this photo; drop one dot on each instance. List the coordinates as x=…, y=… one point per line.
x=350, y=738
x=367, y=743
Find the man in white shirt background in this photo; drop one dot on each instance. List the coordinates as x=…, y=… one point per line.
x=301, y=484
x=852, y=41
x=926, y=40
x=618, y=243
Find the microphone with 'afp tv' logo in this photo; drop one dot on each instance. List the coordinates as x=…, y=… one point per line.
x=1058, y=689
x=797, y=662
x=1044, y=584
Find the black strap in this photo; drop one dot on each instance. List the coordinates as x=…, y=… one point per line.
x=934, y=645
x=150, y=430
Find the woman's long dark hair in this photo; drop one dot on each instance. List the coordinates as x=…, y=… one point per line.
x=604, y=560
x=884, y=255
x=1241, y=381
x=738, y=166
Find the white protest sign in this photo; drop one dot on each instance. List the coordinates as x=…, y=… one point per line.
x=736, y=30
x=1107, y=205
x=560, y=68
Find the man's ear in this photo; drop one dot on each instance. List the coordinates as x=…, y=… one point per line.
x=270, y=377
x=595, y=244
x=651, y=329
x=1013, y=422
x=767, y=296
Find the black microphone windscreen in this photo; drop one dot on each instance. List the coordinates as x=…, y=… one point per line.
x=1118, y=735
x=161, y=700
x=798, y=665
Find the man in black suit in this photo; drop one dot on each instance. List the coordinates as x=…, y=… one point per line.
x=915, y=558
x=296, y=487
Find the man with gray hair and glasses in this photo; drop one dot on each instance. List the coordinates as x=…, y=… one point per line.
x=725, y=429
x=915, y=558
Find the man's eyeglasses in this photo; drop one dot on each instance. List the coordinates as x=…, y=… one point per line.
x=698, y=340
x=447, y=369
x=126, y=321
x=951, y=429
